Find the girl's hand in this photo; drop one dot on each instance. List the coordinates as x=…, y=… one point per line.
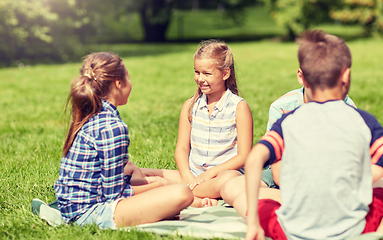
x=153, y=179
x=186, y=178
x=200, y=179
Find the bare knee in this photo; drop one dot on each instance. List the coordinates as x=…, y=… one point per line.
x=182, y=195
x=232, y=188
x=225, y=176
x=228, y=174
x=226, y=193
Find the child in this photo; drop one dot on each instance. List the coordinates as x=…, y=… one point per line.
x=325, y=147
x=292, y=100
x=234, y=189
x=215, y=127
x=91, y=187
x=285, y=104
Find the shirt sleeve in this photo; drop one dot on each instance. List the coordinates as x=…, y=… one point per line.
x=274, y=115
x=273, y=140
x=376, y=144
x=376, y=148
x=113, y=144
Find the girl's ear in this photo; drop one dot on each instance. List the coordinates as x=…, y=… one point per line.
x=118, y=83
x=226, y=73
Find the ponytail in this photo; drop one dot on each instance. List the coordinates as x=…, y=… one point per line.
x=98, y=72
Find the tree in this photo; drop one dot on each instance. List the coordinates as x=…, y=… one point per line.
x=297, y=16
x=155, y=17
x=39, y=30
x=367, y=13
x=23, y=25
x=157, y=14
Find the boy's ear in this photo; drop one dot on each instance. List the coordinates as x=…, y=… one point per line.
x=226, y=73
x=346, y=79
x=300, y=76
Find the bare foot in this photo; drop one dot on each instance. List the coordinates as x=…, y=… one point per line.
x=204, y=202
x=209, y=202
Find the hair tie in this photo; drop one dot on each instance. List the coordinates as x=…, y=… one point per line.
x=87, y=75
x=90, y=74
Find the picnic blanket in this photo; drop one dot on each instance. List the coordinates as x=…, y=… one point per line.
x=221, y=221
x=211, y=222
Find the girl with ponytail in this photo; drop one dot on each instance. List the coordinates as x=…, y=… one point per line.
x=94, y=181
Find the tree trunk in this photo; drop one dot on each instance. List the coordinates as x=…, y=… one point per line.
x=155, y=17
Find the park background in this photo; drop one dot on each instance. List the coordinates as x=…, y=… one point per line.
x=42, y=43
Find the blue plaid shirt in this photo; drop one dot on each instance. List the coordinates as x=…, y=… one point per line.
x=93, y=170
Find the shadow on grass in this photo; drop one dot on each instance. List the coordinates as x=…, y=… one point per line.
x=142, y=49
x=138, y=49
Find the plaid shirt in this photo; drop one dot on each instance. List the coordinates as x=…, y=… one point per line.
x=93, y=170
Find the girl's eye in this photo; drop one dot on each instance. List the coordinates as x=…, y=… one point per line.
x=207, y=73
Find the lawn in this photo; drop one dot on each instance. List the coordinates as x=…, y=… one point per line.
x=33, y=122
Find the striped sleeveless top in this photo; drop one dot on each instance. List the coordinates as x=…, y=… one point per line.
x=213, y=140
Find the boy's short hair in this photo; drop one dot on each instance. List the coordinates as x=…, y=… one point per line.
x=322, y=58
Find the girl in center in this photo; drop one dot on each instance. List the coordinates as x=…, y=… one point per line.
x=215, y=127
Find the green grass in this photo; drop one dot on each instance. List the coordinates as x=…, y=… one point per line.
x=192, y=26
x=204, y=24
x=32, y=121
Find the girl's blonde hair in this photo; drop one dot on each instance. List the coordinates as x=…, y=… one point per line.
x=98, y=73
x=223, y=56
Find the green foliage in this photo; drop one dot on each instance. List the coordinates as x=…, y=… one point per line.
x=205, y=24
x=55, y=30
x=24, y=26
x=37, y=31
x=367, y=13
x=298, y=15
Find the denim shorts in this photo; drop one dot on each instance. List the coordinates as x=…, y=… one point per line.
x=101, y=214
x=267, y=177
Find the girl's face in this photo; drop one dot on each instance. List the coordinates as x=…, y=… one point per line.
x=126, y=89
x=208, y=77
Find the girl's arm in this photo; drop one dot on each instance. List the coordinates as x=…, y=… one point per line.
x=244, y=122
x=112, y=147
x=155, y=184
x=183, y=144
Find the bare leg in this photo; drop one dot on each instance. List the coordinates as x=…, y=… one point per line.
x=173, y=175
x=378, y=183
x=151, y=206
x=234, y=193
x=211, y=188
x=232, y=188
x=380, y=228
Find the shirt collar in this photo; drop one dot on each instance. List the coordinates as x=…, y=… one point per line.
x=301, y=96
x=107, y=106
x=220, y=104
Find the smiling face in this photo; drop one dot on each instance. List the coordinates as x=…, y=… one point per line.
x=208, y=77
